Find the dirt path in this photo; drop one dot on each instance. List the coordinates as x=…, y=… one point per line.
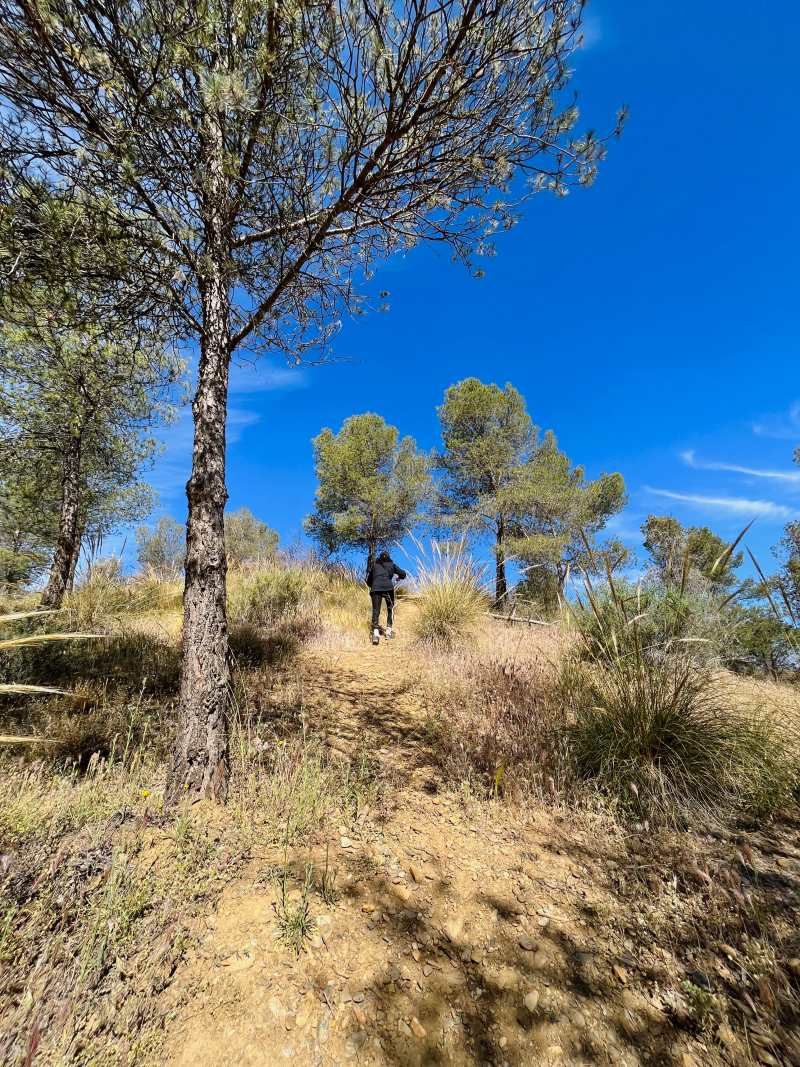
x=459, y=934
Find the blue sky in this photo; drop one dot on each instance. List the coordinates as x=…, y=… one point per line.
x=651, y=321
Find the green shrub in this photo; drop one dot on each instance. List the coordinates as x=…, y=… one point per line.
x=658, y=737
x=654, y=620
x=270, y=595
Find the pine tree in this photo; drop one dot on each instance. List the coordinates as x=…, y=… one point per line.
x=263, y=157
x=488, y=437
x=371, y=485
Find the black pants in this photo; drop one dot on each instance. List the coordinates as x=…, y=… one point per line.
x=376, y=598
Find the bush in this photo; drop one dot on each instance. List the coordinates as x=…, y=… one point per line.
x=452, y=597
x=132, y=661
x=667, y=620
x=271, y=595
x=657, y=736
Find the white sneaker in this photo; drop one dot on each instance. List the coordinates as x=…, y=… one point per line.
x=376, y=637
x=389, y=632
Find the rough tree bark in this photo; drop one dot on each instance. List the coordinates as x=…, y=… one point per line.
x=200, y=755
x=500, y=584
x=199, y=765
x=67, y=544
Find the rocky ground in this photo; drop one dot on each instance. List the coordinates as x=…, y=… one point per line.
x=446, y=930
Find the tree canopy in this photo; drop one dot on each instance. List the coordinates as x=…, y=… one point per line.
x=80, y=401
x=487, y=438
x=671, y=546
x=162, y=548
x=371, y=486
x=559, y=514
x=248, y=539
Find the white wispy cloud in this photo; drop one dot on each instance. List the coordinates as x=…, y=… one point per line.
x=735, y=505
x=172, y=467
x=262, y=377
x=689, y=457
x=785, y=427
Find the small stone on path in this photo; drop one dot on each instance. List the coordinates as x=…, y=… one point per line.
x=532, y=1000
x=528, y=944
x=418, y=1028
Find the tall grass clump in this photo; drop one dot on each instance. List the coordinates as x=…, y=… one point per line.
x=273, y=594
x=653, y=728
x=451, y=592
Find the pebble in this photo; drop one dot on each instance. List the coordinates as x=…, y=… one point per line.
x=358, y=998
x=794, y=966
x=353, y=1044
x=528, y=944
x=540, y=961
x=404, y=1028
x=453, y=928
x=620, y=972
x=345, y=842
x=555, y=1052
x=578, y=1020
x=418, y=1028
x=503, y=1041
x=532, y=1000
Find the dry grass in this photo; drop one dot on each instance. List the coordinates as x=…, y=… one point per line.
x=451, y=595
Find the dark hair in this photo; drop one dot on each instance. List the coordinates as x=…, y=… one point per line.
x=384, y=557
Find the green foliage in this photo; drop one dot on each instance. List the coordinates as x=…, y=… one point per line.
x=248, y=540
x=761, y=642
x=488, y=436
x=789, y=551
x=653, y=729
x=162, y=549
x=672, y=547
x=669, y=619
x=559, y=514
x=272, y=594
x=76, y=407
x=371, y=485
x=295, y=924
x=452, y=595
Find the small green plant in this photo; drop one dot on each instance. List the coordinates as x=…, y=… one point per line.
x=112, y=915
x=327, y=887
x=294, y=919
x=704, y=1007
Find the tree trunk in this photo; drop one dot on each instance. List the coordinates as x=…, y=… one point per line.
x=199, y=765
x=500, y=584
x=67, y=544
x=200, y=756
x=370, y=555
x=74, y=564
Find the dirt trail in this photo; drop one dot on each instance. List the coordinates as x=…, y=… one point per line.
x=461, y=934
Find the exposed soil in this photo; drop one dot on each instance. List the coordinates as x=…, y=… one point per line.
x=467, y=932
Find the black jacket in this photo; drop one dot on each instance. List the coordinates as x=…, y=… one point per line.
x=380, y=575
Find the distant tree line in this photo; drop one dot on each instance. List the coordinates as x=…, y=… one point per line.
x=494, y=479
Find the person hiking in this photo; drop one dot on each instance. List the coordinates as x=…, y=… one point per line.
x=380, y=579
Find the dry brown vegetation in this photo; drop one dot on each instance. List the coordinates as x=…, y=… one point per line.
x=414, y=866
